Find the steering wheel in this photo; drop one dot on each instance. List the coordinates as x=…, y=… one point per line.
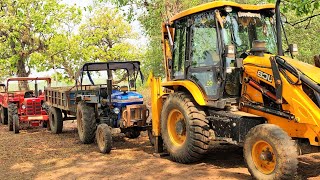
x=116, y=87
x=28, y=94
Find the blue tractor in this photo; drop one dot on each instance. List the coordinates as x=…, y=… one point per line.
x=104, y=101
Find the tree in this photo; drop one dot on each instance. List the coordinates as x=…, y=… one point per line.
x=158, y=11
x=26, y=28
x=154, y=13
x=63, y=55
x=105, y=36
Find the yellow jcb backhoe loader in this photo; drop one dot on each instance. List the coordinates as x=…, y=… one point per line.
x=227, y=79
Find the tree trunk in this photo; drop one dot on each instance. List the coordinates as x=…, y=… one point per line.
x=68, y=69
x=21, y=72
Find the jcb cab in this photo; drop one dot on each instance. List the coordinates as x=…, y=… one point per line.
x=225, y=83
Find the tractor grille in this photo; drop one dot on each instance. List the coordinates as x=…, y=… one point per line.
x=136, y=114
x=33, y=108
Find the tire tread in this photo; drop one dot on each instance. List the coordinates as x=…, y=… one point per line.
x=198, y=144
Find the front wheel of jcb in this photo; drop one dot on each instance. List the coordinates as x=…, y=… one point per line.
x=184, y=128
x=270, y=153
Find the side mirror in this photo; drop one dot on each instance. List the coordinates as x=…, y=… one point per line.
x=293, y=48
x=230, y=51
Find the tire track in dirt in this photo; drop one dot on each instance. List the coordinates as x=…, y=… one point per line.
x=38, y=154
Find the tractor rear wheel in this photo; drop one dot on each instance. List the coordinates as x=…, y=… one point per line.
x=104, y=138
x=86, y=122
x=184, y=128
x=4, y=115
x=55, y=120
x=16, y=124
x=270, y=153
x=12, y=110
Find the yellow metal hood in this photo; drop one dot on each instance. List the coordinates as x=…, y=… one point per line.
x=307, y=69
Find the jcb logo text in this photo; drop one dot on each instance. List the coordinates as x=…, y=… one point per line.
x=264, y=76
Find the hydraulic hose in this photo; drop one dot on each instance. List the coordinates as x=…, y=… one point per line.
x=283, y=64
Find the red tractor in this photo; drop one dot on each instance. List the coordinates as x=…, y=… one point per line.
x=25, y=107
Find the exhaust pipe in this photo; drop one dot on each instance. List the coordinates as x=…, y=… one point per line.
x=278, y=28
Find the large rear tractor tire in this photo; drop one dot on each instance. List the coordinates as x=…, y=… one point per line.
x=270, y=153
x=184, y=128
x=55, y=120
x=4, y=115
x=104, y=138
x=16, y=124
x=12, y=110
x=86, y=122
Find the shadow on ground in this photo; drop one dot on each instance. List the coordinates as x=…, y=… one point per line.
x=38, y=154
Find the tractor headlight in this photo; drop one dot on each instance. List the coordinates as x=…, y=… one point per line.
x=23, y=106
x=116, y=110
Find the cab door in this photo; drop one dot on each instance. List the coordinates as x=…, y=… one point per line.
x=204, y=64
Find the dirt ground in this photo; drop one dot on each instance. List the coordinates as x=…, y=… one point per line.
x=38, y=154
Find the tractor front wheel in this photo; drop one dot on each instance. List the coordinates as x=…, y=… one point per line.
x=55, y=120
x=16, y=126
x=104, y=138
x=86, y=122
x=270, y=153
x=12, y=110
x=184, y=128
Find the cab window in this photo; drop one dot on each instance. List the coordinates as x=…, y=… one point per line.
x=204, y=50
x=205, y=59
x=179, y=54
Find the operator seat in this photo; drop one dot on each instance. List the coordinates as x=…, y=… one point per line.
x=211, y=58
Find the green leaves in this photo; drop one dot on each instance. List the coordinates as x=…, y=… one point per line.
x=102, y=37
x=105, y=36
x=26, y=30
x=45, y=34
x=157, y=11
